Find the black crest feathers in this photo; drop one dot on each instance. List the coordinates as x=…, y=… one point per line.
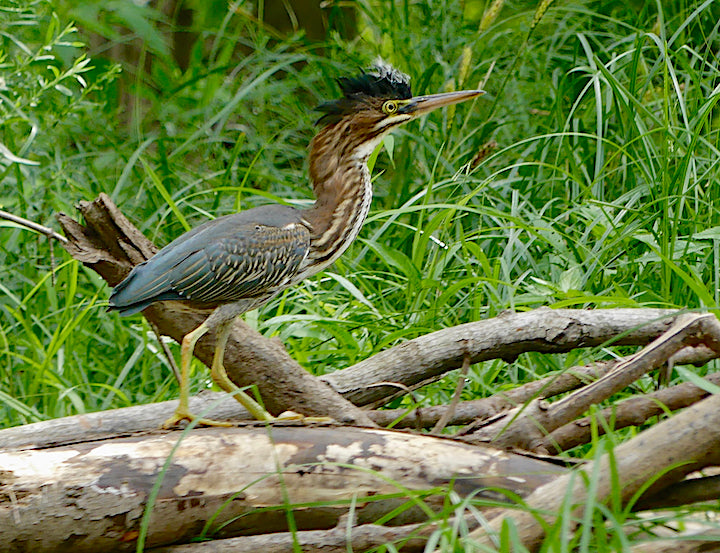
x=382, y=80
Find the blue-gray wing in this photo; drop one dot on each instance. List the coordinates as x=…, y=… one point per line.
x=245, y=265
x=241, y=256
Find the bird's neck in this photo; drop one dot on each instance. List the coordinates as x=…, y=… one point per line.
x=341, y=181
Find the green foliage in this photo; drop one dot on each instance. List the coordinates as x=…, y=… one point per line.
x=586, y=177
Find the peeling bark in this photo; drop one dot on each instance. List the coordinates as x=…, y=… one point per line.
x=91, y=496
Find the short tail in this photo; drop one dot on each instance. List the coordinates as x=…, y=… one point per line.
x=127, y=310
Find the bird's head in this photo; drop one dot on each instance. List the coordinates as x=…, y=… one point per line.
x=375, y=102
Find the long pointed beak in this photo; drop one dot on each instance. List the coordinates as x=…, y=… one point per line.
x=423, y=104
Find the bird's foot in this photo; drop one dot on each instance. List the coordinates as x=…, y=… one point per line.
x=181, y=415
x=293, y=416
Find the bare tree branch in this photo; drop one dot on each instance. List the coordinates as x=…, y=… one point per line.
x=450, y=411
x=220, y=406
x=425, y=359
x=634, y=463
x=47, y=231
x=686, y=492
x=37, y=227
x=650, y=456
x=526, y=427
x=633, y=411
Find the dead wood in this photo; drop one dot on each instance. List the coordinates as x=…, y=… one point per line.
x=109, y=244
x=467, y=412
x=527, y=426
x=689, y=491
x=219, y=406
x=478, y=410
x=115, y=422
x=224, y=473
x=32, y=225
x=691, y=534
x=633, y=411
x=91, y=496
x=340, y=539
x=649, y=457
x=425, y=359
x=708, y=542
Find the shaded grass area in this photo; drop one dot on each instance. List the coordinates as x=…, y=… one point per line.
x=587, y=177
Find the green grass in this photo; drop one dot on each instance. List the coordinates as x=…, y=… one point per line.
x=600, y=190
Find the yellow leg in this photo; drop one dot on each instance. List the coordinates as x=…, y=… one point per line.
x=183, y=409
x=220, y=377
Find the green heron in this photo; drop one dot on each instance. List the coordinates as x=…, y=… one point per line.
x=238, y=262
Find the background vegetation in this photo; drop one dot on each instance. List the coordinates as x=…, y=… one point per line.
x=586, y=177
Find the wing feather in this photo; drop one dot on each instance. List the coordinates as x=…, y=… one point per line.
x=227, y=261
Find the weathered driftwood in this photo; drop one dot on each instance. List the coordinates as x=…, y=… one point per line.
x=708, y=542
x=220, y=406
x=633, y=411
x=91, y=496
x=661, y=455
x=527, y=426
x=668, y=451
x=111, y=245
x=425, y=359
x=693, y=489
x=412, y=538
x=340, y=539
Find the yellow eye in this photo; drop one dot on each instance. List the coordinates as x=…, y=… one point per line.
x=390, y=107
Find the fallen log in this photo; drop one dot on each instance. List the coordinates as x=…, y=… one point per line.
x=491, y=338
x=220, y=406
x=659, y=456
x=95, y=493
x=224, y=482
x=526, y=427
x=336, y=540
